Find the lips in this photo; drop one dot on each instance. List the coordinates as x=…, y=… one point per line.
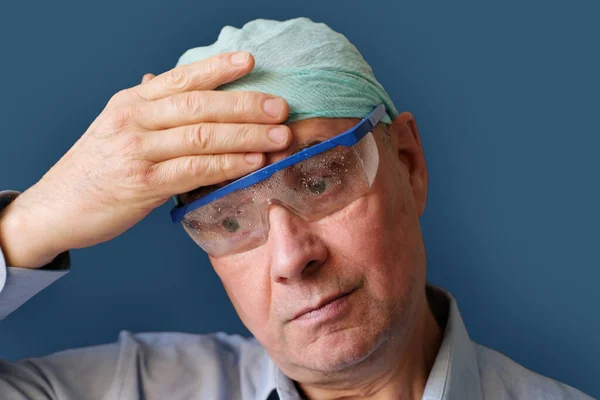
x=320, y=304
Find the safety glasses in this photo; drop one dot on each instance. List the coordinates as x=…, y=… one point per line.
x=312, y=183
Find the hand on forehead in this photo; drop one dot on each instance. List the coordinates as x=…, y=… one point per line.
x=305, y=133
x=327, y=83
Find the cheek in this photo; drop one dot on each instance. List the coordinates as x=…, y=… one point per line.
x=381, y=232
x=248, y=289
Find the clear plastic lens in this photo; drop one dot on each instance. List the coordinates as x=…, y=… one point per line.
x=226, y=226
x=313, y=189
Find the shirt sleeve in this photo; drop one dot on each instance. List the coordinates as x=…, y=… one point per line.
x=146, y=366
x=17, y=285
x=84, y=373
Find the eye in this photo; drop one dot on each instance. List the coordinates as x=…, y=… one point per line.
x=320, y=185
x=317, y=185
x=231, y=224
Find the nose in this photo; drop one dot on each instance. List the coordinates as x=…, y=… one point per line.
x=296, y=252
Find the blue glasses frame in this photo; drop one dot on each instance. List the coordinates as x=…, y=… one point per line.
x=348, y=138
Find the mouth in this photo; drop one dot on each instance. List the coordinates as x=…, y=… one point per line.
x=327, y=305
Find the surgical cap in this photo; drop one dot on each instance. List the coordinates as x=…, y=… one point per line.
x=315, y=69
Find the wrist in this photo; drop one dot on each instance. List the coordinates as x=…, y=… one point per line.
x=24, y=244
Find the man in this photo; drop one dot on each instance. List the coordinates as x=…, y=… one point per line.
x=320, y=251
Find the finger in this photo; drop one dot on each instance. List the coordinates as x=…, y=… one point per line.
x=205, y=74
x=211, y=106
x=183, y=174
x=147, y=78
x=214, y=138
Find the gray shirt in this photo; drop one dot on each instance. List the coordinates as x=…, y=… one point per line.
x=221, y=366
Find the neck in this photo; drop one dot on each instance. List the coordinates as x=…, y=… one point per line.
x=401, y=369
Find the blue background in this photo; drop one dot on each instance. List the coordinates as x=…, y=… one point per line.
x=507, y=101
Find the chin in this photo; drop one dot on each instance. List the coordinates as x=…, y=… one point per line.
x=339, y=350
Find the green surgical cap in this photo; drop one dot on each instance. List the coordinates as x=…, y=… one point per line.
x=315, y=69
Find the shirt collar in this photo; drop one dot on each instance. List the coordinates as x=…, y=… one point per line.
x=455, y=372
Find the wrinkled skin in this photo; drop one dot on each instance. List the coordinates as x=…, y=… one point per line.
x=374, y=247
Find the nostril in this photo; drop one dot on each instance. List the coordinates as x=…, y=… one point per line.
x=311, y=265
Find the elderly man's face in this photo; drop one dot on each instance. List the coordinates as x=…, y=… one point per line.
x=370, y=252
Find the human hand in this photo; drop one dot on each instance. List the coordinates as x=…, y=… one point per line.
x=169, y=135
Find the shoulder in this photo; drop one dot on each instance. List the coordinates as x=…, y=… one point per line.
x=219, y=347
x=216, y=365
x=501, y=374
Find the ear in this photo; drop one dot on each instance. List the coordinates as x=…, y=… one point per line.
x=406, y=145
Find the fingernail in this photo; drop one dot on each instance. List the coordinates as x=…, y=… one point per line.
x=273, y=107
x=278, y=135
x=253, y=158
x=240, y=58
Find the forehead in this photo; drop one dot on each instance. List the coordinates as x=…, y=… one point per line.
x=311, y=131
x=304, y=134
